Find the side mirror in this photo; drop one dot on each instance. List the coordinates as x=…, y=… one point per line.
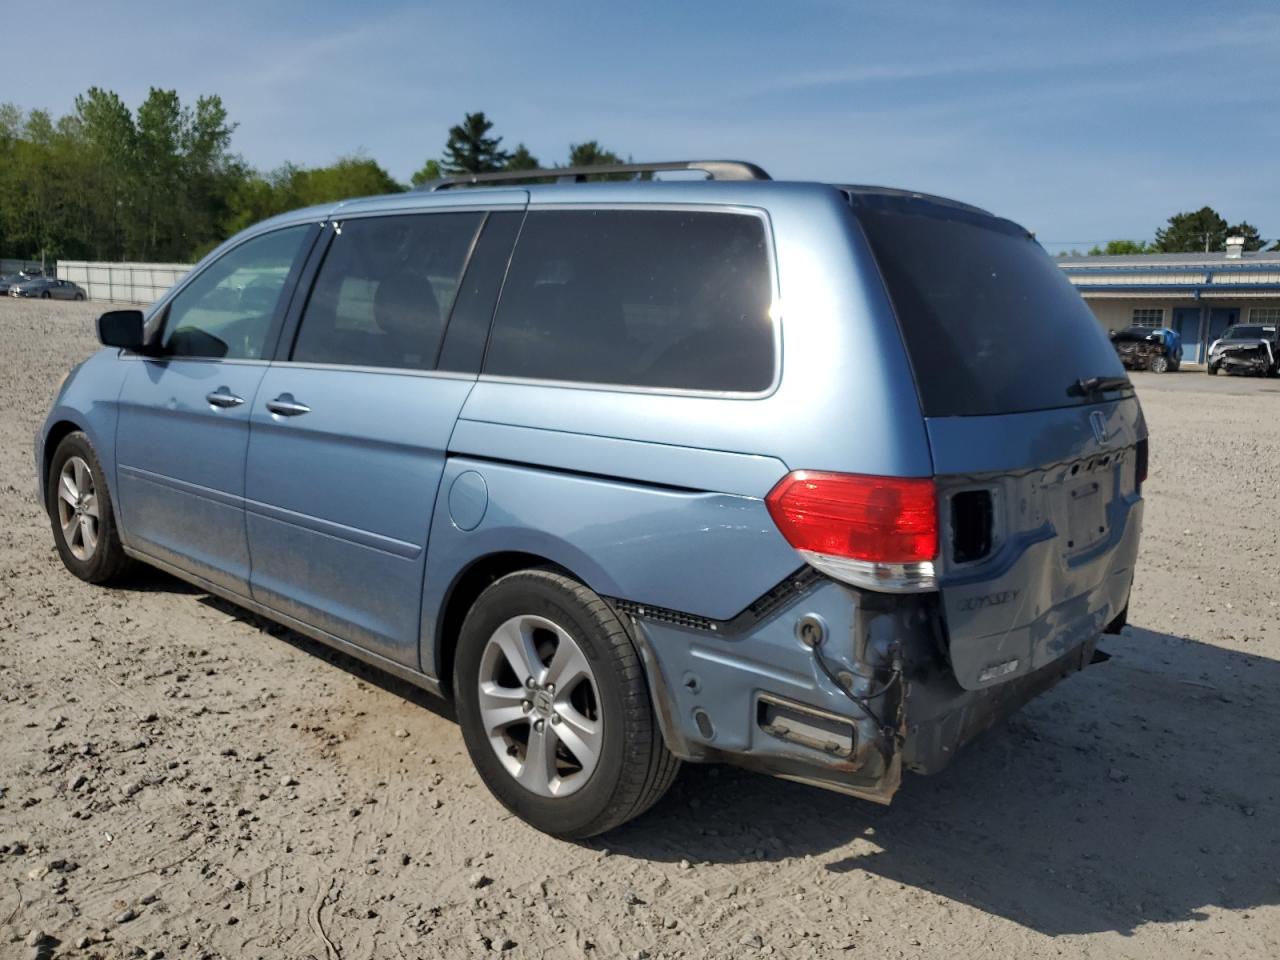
x=123, y=328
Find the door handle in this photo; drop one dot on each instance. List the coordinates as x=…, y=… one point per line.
x=285, y=406
x=223, y=397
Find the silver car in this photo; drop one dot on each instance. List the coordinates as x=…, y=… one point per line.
x=47, y=288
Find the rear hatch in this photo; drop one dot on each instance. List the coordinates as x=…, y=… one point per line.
x=1037, y=439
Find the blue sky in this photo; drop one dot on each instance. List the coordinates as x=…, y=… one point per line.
x=1082, y=120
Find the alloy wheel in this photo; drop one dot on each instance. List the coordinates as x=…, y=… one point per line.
x=78, y=508
x=540, y=706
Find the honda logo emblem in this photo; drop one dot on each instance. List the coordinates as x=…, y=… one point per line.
x=1099, y=424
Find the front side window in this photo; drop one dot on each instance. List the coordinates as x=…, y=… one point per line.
x=385, y=289
x=644, y=298
x=226, y=312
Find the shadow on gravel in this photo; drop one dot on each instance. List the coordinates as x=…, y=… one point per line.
x=1141, y=791
x=357, y=668
x=143, y=578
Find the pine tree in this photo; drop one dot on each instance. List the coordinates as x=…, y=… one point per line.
x=469, y=150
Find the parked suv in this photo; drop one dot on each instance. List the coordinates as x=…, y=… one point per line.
x=1144, y=348
x=1246, y=348
x=636, y=472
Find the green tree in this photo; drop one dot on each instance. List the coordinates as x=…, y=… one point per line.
x=1193, y=232
x=522, y=159
x=430, y=171
x=110, y=144
x=258, y=196
x=469, y=148
x=1114, y=248
x=1203, y=230
x=154, y=225
x=591, y=154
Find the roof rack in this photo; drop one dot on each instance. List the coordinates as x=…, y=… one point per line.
x=715, y=170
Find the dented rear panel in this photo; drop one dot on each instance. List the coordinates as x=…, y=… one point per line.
x=1033, y=430
x=1061, y=533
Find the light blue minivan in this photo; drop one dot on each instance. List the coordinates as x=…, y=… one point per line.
x=819, y=480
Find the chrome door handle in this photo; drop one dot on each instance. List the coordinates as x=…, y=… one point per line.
x=285, y=406
x=223, y=397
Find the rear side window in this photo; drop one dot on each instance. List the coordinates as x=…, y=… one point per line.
x=385, y=289
x=642, y=298
x=991, y=324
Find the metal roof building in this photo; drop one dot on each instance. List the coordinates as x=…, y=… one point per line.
x=1197, y=294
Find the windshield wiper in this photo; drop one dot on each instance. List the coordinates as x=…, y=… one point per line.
x=1091, y=385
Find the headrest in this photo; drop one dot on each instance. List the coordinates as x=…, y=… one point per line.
x=405, y=304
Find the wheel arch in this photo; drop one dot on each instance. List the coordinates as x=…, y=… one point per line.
x=462, y=594
x=57, y=432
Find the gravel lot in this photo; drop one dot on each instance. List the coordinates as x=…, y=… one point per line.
x=177, y=776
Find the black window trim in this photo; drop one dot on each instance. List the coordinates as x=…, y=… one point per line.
x=306, y=286
x=775, y=317
x=159, y=317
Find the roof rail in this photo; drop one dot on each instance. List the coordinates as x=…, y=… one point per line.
x=715, y=170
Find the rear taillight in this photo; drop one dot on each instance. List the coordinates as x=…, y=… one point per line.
x=1140, y=464
x=877, y=532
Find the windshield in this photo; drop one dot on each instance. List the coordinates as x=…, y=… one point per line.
x=1244, y=333
x=991, y=323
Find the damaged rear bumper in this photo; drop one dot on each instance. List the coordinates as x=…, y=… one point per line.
x=877, y=696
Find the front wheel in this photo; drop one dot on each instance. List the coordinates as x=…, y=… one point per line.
x=1159, y=365
x=45, y=295
x=79, y=296
x=1212, y=369
x=555, y=709
x=80, y=509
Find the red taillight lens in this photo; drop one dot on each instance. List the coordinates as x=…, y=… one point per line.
x=1140, y=463
x=876, y=519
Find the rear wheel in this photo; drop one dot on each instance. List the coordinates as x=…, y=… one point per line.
x=555, y=709
x=81, y=512
x=45, y=295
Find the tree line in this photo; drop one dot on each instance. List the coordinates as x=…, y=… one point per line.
x=1196, y=231
x=162, y=184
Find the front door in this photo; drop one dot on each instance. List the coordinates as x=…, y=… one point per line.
x=1186, y=321
x=349, y=433
x=184, y=416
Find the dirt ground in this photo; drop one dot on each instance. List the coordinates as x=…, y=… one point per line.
x=179, y=779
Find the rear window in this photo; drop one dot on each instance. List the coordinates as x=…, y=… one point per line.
x=642, y=298
x=991, y=323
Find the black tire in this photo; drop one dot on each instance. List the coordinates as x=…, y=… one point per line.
x=45, y=295
x=1212, y=370
x=79, y=296
x=108, y=561
x=1159, y=365
x=634, y=768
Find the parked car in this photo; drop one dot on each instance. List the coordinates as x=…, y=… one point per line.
x=636, y=472
x=9, y=279
x=1246, y=348
x=1144, y=348
x=47, y=288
